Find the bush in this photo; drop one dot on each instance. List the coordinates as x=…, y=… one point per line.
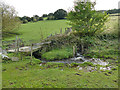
x=40, y=18
x=50, y=18
x=34, y=20
x=85, y=20
x=44, y=15
x=25, y=21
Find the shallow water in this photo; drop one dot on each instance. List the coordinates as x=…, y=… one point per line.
x=80, y=59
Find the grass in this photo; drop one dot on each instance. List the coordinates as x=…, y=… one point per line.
x=58, y=54
x=58, y=75
x=112, y=25
x=106, y=45
x=54, y=75
x=40, y=30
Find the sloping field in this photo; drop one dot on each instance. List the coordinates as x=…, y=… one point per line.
x=35, y=31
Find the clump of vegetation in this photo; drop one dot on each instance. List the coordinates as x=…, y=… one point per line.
x=87, y=64
x=85, y=20
x=57, y=54
x=10, y=20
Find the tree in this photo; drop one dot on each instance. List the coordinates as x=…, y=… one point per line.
x=40, y=18
x=24, y=18
x=85, y=20
x=50, y=18
x=10, y=20
x=25, y=21
x=60, y=14
x=36, y=17
x=44, y=15
x=50, y=14
x=112, y=11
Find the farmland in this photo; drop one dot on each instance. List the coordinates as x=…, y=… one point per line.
x=42, y=29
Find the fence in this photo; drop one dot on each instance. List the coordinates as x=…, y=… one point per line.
x=18, y=45
x=18, y=42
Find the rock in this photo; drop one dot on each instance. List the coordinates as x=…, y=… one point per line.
x=79, y=58
x=80, y=68
x=61, y=69
x=40, y=64
x=4, y=56
x=103, y=68
x=14, y=58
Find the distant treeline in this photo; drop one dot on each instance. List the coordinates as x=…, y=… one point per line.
x=59, y=14
x=112, y=11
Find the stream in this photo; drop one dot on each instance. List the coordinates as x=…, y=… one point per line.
x=80, y=59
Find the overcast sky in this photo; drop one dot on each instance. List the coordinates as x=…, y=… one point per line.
x=40, y=7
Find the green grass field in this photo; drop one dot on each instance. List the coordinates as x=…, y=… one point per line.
x=35, y=31
x=55, y=75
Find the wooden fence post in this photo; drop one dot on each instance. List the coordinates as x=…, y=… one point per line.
x=82, y=46
x=31, y=52
x=18, y=42
x=16, y=45
x=21, y=56
x=61, y=31
x=73, y=51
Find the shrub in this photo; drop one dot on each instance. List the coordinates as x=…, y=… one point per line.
x=40, y=18
x=25, y=21
x=34, y=20
x=85, y=20
x=50, y=18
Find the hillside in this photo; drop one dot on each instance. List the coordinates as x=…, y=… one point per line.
x=34, y=31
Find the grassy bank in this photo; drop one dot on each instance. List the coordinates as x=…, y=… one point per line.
x=106, y=44
x=58, y=54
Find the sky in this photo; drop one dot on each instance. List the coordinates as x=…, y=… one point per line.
x=40, y=7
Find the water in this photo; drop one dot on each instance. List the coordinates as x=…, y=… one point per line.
x=80, y=59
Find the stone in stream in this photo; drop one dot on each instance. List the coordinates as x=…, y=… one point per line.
x=4, y=57
x=80, y=68
x=105, y=68
x=78, y=59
